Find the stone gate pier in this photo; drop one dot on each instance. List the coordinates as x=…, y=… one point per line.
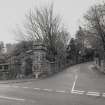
x=40, y=66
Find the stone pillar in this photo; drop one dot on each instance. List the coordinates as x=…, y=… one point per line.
x=39, y=60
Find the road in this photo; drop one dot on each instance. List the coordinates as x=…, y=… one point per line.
x=77, y=85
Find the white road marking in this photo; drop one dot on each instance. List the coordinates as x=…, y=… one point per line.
x=77, y=92
x=25, y=87
x=12, y=98
x=76, y=77
x=93, y=93
x=36, y=88
x=49, y=90
x=15, y=86
x=103, y=95
x=60, y=91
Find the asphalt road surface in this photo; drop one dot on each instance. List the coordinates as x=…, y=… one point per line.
x=77, y=85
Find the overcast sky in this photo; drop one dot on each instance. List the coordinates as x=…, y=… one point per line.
x=12, y=12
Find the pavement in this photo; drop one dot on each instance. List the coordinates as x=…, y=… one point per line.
x=16, y=81
x=77, y=85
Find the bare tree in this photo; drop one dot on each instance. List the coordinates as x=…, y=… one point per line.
x=43, y=26
x=95, y=19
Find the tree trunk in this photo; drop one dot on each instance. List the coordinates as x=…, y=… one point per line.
x=103, y=59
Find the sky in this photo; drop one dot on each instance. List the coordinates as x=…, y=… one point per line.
x=12, y=13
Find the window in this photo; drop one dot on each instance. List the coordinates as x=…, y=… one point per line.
x=0, y=67
x=5, y=66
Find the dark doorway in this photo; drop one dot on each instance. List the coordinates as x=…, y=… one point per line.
x=28, y=68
